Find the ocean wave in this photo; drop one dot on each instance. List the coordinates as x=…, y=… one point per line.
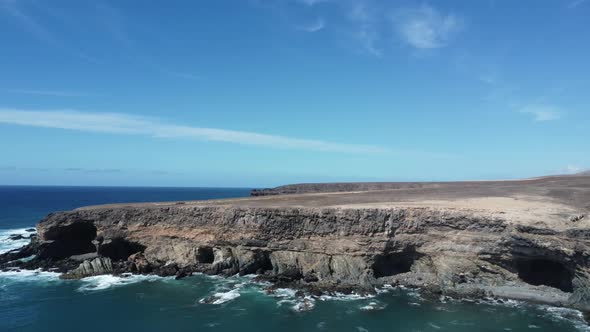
x=102, y=282
x=228, y=289
x=345, y=297
x=374, y=305
x=304, y=304
x=290, y=297
x=7, y=244
x=297, y=302
x=29, y=276
x=221, y=297
x=572, y=316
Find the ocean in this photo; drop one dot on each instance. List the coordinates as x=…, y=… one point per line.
x=40, y=301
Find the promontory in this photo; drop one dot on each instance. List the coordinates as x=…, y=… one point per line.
x=526, y=239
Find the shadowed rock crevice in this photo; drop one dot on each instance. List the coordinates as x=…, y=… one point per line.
x=119, y=248
x=71, y=239
x=205, y=255
x=390, y=264
x=539, y=271
x=515, y=239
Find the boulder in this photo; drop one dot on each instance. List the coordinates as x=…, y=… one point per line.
x=139, y=263
x=88, y=268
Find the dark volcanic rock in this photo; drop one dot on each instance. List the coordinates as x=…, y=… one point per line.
x=118, y=248
x=88, y=268
x=167, y=270
x=502, y=239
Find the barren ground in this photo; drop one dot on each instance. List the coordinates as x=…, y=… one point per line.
x=549, y=201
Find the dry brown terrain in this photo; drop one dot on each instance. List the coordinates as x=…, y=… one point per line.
x=526, y=239
x=543, y=202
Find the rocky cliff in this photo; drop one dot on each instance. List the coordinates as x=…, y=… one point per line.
x=510, y=245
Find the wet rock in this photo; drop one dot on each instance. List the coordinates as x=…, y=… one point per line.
x=310, y=277
x=97, y=266
x=290, y=274
x=84, y=257
x=139, y=263
x=577, y=218
x=167, y=270
x=445, y=251
x=180, y=275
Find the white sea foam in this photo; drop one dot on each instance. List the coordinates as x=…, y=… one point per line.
x=288, y=296
x=304, y=304
x=284, y=292
x=345, y=297
x=103, y=282
x=29, y=276
x=227, y=289
x=565, y=314
x=6, y=244
x=374, y=305
x=222, y=297
x=434, y=326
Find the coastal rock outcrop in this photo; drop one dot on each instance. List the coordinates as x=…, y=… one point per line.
x=459, y=248
x=88, y=268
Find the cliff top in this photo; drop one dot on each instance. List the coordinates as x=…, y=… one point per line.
x=554, y=201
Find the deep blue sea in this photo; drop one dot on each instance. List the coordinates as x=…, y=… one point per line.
x=39, y=301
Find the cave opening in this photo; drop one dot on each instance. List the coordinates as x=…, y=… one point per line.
x=73, y=239
x=119, y=248
x=390, y=264
x=260, y=263
x=546, y=272
x=205, y=255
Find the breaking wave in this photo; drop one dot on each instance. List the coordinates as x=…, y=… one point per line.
x=7, y=243
x=102, y=282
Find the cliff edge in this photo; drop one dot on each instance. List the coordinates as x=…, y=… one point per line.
x=527, y=240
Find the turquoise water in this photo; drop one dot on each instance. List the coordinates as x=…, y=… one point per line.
x=33, y=301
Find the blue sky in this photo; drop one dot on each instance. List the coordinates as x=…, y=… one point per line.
x=268, y=92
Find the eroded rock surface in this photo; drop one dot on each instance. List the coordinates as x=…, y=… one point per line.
x=520, y=244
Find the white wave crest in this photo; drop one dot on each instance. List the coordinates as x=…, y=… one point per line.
x=6, y=244
x=29, y=276
x=103, y=282
x=572, y=316
x=304, y=304
x=345, y=297
x=222, y=297
x=374, y=305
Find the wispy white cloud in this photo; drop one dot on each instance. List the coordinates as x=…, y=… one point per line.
x=27, y=21
x=366, y=29
x=179, y=74
x=32, y=25
x=52, y=93
x=116, y=23
x=116, y=123
x=425, y=27
x=311, y=2
x=542, y=112
x=575, y=3
x=315, y=26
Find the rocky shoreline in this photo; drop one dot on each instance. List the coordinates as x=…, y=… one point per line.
x=444, y=251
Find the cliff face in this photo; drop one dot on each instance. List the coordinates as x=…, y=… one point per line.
x=527, y=240
x=454, y=252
